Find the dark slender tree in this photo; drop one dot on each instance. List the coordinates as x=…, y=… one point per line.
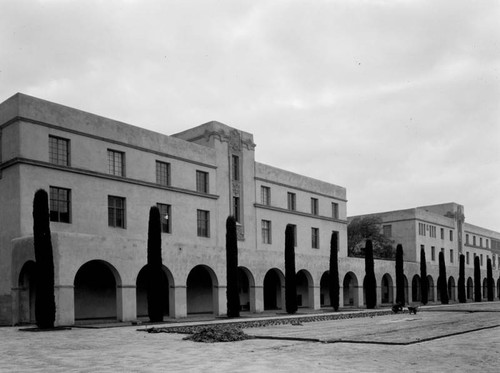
x=400, y=276
x=461, y=280
x=424, y=282
x=370, y=282
x=45, y=306
x=233, y=297
x=154, y=267
x=290, y=275
x=489, y=280
x=442, y=282
x=477, y=279
x=333, y=275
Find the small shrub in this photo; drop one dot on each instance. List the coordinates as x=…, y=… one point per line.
x=218, y=334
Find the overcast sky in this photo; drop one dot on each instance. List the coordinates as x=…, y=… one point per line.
x=398, y=101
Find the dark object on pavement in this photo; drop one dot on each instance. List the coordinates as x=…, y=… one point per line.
x=413, y=310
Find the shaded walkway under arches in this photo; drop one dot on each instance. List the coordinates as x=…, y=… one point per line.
x=273, y=294
x=350, y=290
x=200, y=292
x=141, y=291
x=27, y=293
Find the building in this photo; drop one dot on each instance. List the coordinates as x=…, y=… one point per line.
x=442, y=228
x=102, y=176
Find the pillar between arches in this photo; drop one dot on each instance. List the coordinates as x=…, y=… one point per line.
x=314, y=297
x=65, y=304
x=257, y=299
x=178, y=302
x=126, y=305
x=220, y=300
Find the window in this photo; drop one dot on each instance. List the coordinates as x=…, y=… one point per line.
x=203, y=223
x=165, y=217
x=451, y=235
x=493, y=261
x=442, y=233
x=335, y=210
x=315, y=238
x=481, y=258
x=116, y=165
x=202, y=181
x=432, y=231
x=291, y=201
x=266, y=231
x=451, y=255
x=116, y=212
x=421, y=229
x=480, y=241
x=236, y=167
x=466, y=239
x=60, y=205
x=474, y=240
x=236, y=209
x=265, y=195
x=433, y=253
x=467, y=257
x=487, y=244
x=162, y=173
x=387, y=230
x=58, y=151
x=314, y=206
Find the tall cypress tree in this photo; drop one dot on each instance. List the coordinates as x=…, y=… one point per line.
x=477, y=279
x=290, y=275
x=424, y=282
x=461, y=280
x=45, y=306
x=154, y=270
x=442, y=281
x=370, y=282
x=333, y=277
x=400, y=277
x=233, y=297
x=489, y=280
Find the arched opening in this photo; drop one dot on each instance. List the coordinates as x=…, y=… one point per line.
x=303, y=280
x=95, y=291
x=470, y=288
x=350, y=286
x=200, y=290
x=387, y=289
x=324, y=286
x=272, y=289
x=430, y=288
x=485, y=288
x=142, y=294
x=245, y=285
x=405, y=281
x=416, y=293
x=451, y=289
x=27, y=293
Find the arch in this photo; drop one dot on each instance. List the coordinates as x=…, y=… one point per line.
x=246, y=289
x=304, y=281
x=201, y=296
x=387, y=289
x=451, y=289
x=350, y=289
x=416, y=290
x=95, y=289
x=27, y=293
x=273, y=283
x=430, y=289
x=141, y=291
x=324, y=285
x=470, y=288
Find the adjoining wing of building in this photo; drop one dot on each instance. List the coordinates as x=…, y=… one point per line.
x=103, y=176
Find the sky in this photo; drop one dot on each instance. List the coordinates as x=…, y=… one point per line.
x=397, y=101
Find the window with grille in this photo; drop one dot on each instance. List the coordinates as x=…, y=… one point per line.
x=265, y=195
x=315, y=238
x=162, y=173
x=116, y=212
x=60, y=205
x=202, y=181
x=59, y=151
x=266, y=231
x=165, y=217
x=116, y=164
x=203, y=223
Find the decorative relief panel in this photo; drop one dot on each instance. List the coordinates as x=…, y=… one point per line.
x=240, y=232
x=236, y=188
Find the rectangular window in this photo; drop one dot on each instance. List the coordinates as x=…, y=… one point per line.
x=116, y=212
x=451, y=255
x=433, y=253
x=315, y=238
x=236, y=167
x=291, y=201
x=442, y=233
x=451, y=235
x=335, y=210
x=421, y=229
x=314, y=206
x=266, y=231
x=474, y=240
x=59, y=151
x=116, y=164
x=493, y=261
x=165, y=217
x=203, y=223
x=466, y=239
x=480, y=241
x=481, y=258
x=202, y=181
x=162, y=173
x=265, y=195
x=60, y=205
x=467, y=258
x=236, y=209
x=487, y=244
x=432, y=231
x=387, y=230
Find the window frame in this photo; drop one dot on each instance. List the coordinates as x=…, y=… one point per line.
x=266, y=229
x=265, y=195
x=162, y=173
x=55, y=154
x=202, y=181
x=314, y=238
x=166, y=223
x=203, y=223
x=291, y=201
x=52, y=202
x=113, y=211
x=335, y=210
x=314, y=206
x=113, y=167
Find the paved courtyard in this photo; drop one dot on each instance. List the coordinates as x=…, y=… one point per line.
x=457, y=338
